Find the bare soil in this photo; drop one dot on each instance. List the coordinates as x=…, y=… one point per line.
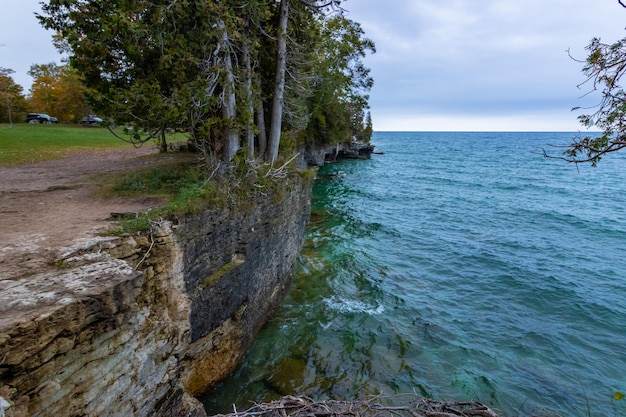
x=48, y=207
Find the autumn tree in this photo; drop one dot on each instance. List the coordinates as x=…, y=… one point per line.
x=42, y=92
x=6, y=82
x=12, y=101
x=71, y=96
x=57, y=90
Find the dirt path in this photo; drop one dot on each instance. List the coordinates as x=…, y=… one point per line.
x=50, y=206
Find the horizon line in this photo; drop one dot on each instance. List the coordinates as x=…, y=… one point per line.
x=487, y=131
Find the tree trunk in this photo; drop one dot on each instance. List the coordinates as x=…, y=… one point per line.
x=229, y=102
x=279, y=84
x=250, y=102
x=260, y=123
x=163, y=145
x=9, y=107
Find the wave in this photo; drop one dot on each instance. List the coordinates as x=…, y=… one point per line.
x=344, y=306
x=465, y=265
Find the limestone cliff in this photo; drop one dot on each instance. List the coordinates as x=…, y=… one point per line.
x=139, y=326
x=319, y=155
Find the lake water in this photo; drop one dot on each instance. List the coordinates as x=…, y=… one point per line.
x=456, y=266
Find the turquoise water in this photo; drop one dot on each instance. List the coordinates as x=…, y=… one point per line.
x=457, y=266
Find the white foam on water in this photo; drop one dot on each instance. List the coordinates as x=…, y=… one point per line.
x=344, y=305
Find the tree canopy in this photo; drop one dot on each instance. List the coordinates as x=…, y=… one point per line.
x=58, y=91
x=12, y=100
x=220, y=69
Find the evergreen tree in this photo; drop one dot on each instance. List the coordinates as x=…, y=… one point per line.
x=216, y=69
x=340, y=98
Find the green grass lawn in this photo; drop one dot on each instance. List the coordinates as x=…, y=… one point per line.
x=25, y=143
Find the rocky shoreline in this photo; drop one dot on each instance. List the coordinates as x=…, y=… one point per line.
x=139, y=326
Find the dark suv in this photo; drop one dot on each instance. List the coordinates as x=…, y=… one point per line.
x=34, y=118
x=91, y=120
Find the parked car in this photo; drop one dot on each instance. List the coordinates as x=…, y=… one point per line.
x=91, y=120
x=34, y=118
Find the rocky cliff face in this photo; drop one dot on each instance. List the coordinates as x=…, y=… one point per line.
x=139, y=326
x=318, y=156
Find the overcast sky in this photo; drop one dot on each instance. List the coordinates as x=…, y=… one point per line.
x=440, y=64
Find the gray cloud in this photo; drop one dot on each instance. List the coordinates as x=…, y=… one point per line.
x=24, y=41
x=488, y=57
x=456, y=61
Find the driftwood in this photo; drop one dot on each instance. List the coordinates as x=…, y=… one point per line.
x=416, y=407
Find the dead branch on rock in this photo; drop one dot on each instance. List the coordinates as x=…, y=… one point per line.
x=418, y=407
x=280, y=172
x=145, y=255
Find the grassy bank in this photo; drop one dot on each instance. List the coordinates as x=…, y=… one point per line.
x=175, y=177
x=25, y=143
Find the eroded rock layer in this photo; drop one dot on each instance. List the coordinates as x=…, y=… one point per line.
x=139, y=326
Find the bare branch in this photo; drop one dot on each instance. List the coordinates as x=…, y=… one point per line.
x=332, y=4
x=584, y=147
x=137, y=142
x=373, y=407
